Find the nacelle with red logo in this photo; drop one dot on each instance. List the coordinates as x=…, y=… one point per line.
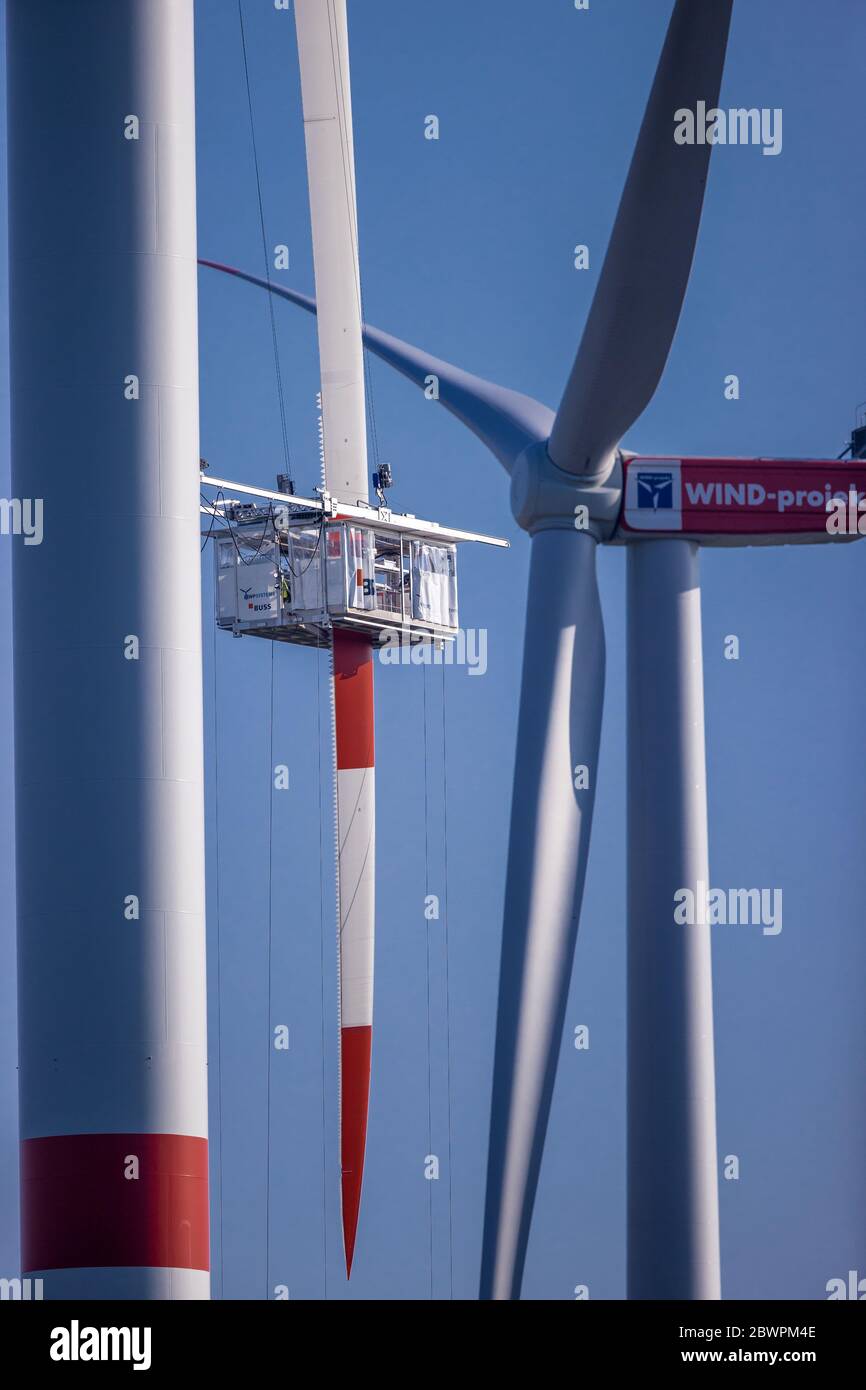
x=722, y=501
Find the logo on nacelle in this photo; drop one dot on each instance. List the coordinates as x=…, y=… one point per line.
x=655, y=490
x=653, y=496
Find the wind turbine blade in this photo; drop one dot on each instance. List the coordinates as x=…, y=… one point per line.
x=323, y=50
x=506, y=421
x=637, y=304
x=554, y=787
x=356, y=858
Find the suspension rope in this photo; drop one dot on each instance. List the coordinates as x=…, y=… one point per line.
x=230, y=529
x=322, y=960
x=270, y=982
x=447, y=985
x=213, y=517
x=332, y=694
x=218, y=965
x=277, y=368
x=427, y=938
x=447, y=974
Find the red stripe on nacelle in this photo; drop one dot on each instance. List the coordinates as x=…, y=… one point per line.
x=80, y=1210
x=356, y=1048
x=760, y=497
x=353, y=700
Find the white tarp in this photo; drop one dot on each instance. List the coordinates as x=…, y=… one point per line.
x=434, y=584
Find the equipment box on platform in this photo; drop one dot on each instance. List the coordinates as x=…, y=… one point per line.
x=294, y=581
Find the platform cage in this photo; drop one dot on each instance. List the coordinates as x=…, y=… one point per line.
x=294, y=582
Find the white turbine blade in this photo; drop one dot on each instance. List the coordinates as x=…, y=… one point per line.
x=506, y=421
x=560, y=722
x=637, y=304
x=323, y=49
x=673, y=1205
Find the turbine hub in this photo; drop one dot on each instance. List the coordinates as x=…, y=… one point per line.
x=546, y=498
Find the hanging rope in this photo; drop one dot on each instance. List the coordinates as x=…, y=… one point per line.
x=332, y=695
x=266, y=256
x=427, y=937
x=447, y=986
x=447, y=976
x=270, y=979
x=229, y=529
x=322, y=959
x=218, y=964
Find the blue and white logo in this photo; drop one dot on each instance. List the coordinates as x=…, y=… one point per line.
x=653, y=495
x=655, y=491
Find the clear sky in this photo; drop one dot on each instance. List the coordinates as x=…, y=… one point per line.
x=467, y=249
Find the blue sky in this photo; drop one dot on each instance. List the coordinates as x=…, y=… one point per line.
x=467, y=249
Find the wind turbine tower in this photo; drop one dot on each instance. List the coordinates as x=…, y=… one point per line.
x=107, y=649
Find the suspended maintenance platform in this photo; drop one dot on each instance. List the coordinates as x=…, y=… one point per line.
x=292, y=569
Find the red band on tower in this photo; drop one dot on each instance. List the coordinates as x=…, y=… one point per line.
x=83, y=1208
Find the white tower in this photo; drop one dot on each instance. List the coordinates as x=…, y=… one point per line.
x=107, y=648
